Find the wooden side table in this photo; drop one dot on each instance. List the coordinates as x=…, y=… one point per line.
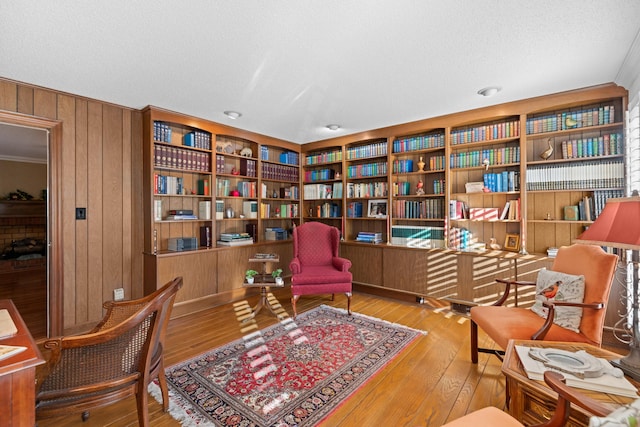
x=263, y=281
x=18, y=375
x=533, y=402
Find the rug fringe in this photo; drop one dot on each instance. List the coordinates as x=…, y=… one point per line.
x=175, y=410
x=343, y=311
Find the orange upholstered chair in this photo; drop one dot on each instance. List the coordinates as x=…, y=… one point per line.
x=316, y=267
x=494, y=417
x=503, y=323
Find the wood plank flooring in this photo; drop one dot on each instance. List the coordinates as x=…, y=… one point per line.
x=428, y=384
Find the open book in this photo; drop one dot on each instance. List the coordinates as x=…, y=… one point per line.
x=605, y=383
x=10, y=350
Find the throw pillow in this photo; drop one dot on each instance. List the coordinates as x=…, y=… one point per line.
x=555, y=286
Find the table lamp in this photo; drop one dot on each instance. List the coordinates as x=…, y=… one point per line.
x=618, y=226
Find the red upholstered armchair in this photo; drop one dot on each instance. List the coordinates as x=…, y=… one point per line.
x=316, y=267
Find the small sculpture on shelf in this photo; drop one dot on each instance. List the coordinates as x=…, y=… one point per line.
x=420, y=188
x=548, y=152
x=421, y=165
x=493, y=244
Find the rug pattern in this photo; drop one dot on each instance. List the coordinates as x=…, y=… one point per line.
x=290, y=374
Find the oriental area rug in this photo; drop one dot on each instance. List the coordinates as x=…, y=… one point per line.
x=294, y=373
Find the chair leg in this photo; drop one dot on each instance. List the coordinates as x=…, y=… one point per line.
x=474, y=342
x=142, y=400
x=294, y=299
x=333, y=297
x=85, y=416
x=162, y=379
x=349, y=303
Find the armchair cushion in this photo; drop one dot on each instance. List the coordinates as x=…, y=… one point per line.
x=557, y=286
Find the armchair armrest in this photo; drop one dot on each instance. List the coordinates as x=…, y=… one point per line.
x=507, y=289
x=567, y=395
x=295, y=266
x=341, y=264
x=551, y=305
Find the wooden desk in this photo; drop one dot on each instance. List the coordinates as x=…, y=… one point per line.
x=18, y=375
x=533, y=402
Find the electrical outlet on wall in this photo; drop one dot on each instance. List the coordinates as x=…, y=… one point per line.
x=118, y=294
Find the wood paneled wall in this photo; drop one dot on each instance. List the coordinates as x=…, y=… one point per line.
x=101, y=169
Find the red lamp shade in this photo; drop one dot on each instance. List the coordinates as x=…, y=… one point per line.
x=617, y=226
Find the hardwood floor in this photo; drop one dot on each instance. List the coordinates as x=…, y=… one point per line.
x=428, y=384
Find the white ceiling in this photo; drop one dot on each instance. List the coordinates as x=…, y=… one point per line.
x=293, y=66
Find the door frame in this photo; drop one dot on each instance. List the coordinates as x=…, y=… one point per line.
x=55, y=315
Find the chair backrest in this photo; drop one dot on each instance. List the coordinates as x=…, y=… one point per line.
x=315, y=243
x=598, y=269
x=113, y=357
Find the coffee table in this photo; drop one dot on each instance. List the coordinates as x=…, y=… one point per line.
x=532, y=402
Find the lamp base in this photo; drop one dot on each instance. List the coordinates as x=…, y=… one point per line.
x=628, y=370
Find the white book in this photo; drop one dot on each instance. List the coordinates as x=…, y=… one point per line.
x=157, y=213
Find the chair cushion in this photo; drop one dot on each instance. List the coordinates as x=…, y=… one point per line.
x=489, y=416
x=313, y=274
x=555, y=286
x=505, y=323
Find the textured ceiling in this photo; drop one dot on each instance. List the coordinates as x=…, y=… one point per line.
x=293, y=66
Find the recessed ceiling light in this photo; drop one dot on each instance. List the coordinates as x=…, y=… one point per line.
x=232, y=114
x=333, y=127
x=489, y=90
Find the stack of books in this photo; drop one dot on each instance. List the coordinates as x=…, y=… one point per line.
x=180, y=214
x=235, y=239
x=275, y=233
x=369, y=237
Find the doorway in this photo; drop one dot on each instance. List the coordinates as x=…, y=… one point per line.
x=28, y=243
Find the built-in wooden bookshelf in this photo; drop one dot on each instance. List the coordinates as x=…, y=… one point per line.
x=323, y=188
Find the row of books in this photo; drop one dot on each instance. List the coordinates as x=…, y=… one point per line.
x=247, y=167
x=488, y=132
x=369, y=237
x=285, y=210
x=419, y=142
x=245, y=188
x=354, y=210
x=424, y=209
x=586, y=117
x=323, y=191
x=460, y=239
x=326, y=210
x=275, y=233
x=324, y=157
x=180, y=158
x=369, y=150
x=162, y=132
x=501, y=182
x=493, y=156
x=418, y=236
x=163, y=184
x=584, y=175
x=293, y=193
x=605, y=145
x=287, y=192
x=287, y=157
x=405, y=188
x=197, y=139
x=235, y=239
x=589, y=208
x=319, y=175
x=279, y=172
x=367, y=189
x=367, y=170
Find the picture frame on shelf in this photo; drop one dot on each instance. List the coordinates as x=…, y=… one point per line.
x=377, y=208
x=512, y=242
